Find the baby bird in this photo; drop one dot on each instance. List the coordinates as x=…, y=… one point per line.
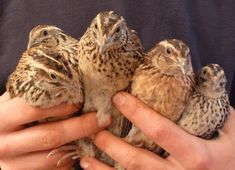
x=47, y=73
x=109, y=53
x=164, y=82
x=208, y=105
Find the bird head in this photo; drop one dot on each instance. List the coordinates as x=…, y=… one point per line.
x=108, y=31
x=51, y=72
x=47, y=35
x=211, y=79
x=172, y=57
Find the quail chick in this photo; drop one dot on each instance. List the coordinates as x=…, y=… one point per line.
x=47, y=75
x=208, y=105
x=109, y=53
x=164, y=82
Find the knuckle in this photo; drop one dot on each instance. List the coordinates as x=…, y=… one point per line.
x=66, y=167
x=159, y=132
x=201, y=160
x=100, y=136
x=83, y=130
x=133, y=163
x=33, y=112
x=3, y=149
x=98, y=140
x=49, y=139
x=201, y=163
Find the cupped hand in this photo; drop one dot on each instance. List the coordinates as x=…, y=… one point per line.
x=24, y=148
x=186, y=151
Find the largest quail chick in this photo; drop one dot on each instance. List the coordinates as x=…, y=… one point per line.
x=164, y=82
x=47, y=73
x=109, y=52
x=207, y=108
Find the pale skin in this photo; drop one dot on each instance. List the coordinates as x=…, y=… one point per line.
x=24, y=148
x=187, y=152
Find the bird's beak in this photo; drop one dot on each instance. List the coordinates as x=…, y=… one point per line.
x=32, y=44
x=102, y=49
x=29, y=45
x=182, y=65
x=103, y=45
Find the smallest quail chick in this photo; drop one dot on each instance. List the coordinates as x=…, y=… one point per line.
x=208, y=105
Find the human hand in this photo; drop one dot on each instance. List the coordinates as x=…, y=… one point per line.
x=186, y=151
x=24, y=148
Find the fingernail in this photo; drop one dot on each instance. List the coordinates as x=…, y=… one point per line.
x=119, y=99
x=84, y=163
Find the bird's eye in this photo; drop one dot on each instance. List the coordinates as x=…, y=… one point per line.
x=96, y=27
x=222, y=84
x=204, y=72
x=53, y=76
x=45, y=33
x=117, y=30
x=168, y=51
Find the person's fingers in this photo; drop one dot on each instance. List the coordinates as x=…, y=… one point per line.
x=128, y=156
x=4, y=97
x=229, y=124
x=223, y=143
x=88, y=163
x=50, y=135
x=164, y=132
x=35, y=160
x=21, y=113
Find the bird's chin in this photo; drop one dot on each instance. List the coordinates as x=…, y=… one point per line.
x=104, y=49
x=174, y=70
x=201, y=79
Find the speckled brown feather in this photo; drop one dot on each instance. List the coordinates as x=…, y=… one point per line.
x=164, y=93
x=107, y=73
x=164, y=82
x=47, y=73
x=109, y=53
x=208, y=106
x=31, y=80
